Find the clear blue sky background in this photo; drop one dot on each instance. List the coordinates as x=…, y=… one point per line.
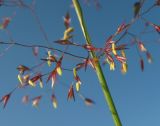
x=136, y=94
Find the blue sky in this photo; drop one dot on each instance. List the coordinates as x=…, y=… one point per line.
x=136, y=94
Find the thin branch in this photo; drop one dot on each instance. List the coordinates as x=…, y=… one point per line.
x=134, y=20
x=41, y=46
x=121, y=37
x=148, y=10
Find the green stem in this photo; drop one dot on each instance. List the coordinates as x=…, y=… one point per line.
x=99, y=71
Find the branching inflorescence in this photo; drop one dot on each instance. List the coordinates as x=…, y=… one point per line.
x=112, y=51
